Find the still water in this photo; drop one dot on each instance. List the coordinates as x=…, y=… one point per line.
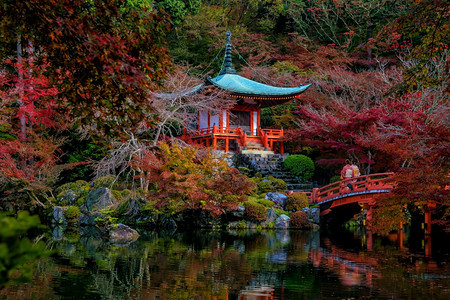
x=241, y=265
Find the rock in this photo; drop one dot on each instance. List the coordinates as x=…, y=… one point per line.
x=239, y=212
x=58, y=215
x=277, y=198
x=148, y=220
x=122, y=234
x=251, y=225
x=315, y=227
x=68, y=198
x=271, y=215
x=98, y=199
x=282, y=222
x=315, y=215
x=130, y=211
x=57, y=233
x=88, y=218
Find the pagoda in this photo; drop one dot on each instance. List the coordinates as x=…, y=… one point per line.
x=239, y=128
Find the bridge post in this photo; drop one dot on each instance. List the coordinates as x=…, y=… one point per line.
x=427, y=222
x=369, y=215
x=400, y=236
x=314, y=193
x=369, y=240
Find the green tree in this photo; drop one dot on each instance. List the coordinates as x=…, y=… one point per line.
x=17, y=252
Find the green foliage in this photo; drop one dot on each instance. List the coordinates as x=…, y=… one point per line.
x=300, y=220
x=72, y=213
x=178, y=9
x=269, y=184
x=16, y=251
x=79, y=152
x=117, y=195
x=300, y=165
x=335, y=178
x=107, y=218
x=126, y=194
x=296, y=201
x=241, y=225
x=280, y=212
x=104, y=181
x=244, y=170
x=270, y=225
x=255, y=212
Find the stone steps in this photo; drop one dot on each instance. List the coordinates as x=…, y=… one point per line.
x=269, y=164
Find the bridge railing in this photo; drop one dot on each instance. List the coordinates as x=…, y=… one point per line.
x=360, y=184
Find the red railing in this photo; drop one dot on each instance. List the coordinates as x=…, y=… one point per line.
x=273, y=132
x=264, y=138
x=242, y=140
x=233, y=130
x=360, y=184
x=215, y=130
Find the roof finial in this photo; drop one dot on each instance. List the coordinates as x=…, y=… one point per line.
x=228, y=65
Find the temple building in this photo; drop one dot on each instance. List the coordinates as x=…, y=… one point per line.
x=239, y=128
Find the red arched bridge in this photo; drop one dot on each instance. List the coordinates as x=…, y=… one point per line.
x=365, y=189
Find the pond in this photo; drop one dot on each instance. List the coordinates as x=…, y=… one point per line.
x=241, y=265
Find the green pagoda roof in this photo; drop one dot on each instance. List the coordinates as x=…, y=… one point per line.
x=240, y=85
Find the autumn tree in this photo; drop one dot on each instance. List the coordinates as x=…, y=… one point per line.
x=108, y=52
x=188, y=178
x=30, y=110
x=177, y=104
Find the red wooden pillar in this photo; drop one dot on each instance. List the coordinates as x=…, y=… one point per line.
x=227, y=144
x=400, y=236
x=427, y=222
x=369, y=240
x=369, y=215
x=281, y=147
x=428, y=246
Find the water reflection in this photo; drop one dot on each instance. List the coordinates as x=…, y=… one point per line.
x=235, y=265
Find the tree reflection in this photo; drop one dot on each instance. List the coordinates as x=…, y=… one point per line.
x=225, y=265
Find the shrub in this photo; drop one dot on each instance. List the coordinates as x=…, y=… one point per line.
x=300, y=220
x=300, y=165
x=72, y=213
x=296, y=201
x=104, y=181
x=255, y=212
x=269, y=184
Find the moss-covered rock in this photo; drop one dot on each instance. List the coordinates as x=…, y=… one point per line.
x=72, y=213
x=107, y=181
x=99, y=199
x=69, y=193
